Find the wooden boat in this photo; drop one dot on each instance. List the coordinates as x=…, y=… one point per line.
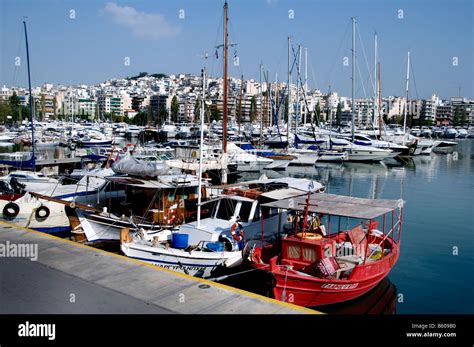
x=312, y=267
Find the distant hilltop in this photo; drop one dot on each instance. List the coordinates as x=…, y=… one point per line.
x=145, y=74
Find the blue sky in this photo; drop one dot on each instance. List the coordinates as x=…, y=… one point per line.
x=91, y=47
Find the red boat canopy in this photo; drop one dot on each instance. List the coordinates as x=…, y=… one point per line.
x=339, y=205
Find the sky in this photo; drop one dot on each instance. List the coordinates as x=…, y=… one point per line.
x=86, y=42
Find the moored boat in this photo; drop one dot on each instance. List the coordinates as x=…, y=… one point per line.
x=315, y=265
x=31, y=211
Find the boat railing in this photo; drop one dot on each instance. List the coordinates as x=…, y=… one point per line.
x=383, y=240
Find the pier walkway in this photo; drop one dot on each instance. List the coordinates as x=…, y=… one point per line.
x=68, y=277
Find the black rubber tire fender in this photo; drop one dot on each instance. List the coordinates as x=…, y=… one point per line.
x=10, y=210
x=42, y=213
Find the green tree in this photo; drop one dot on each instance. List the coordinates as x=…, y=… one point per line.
x=253, y=109
x=42, y=106
x=197, y=110
x=463, y=119
x=317, y=114
x=457, y=116
x=14, y=102
x=55, y=106
x=338, y=114
x=428, y=122
x=140, y=118
x=162, y=114
x=159, y=75
x=174, y=109
x=5, y=110
x=215, y=114
x=285, y=115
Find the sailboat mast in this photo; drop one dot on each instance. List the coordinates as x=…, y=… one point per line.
x=298, y=91
x=201, y=142
x=288, y=120
x=277, y=101
x=380, y=103
x=224, y=130
x=406, y=89
x=375, y=82
x=353, y=78
x=261, y=105
x=240, y=101
x=31, y=99
x=305, y=81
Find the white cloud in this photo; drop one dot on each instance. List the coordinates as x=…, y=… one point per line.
x=141, y=24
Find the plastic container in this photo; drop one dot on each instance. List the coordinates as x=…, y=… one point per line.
x=179, y=240
x=215, y=246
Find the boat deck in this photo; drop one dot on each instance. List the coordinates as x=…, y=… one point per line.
x=68, y=277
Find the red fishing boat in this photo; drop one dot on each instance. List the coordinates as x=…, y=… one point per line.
x=319, y=261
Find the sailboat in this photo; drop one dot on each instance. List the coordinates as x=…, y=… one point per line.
x=359, y=152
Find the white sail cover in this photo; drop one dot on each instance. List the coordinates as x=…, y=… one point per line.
x=133, y=167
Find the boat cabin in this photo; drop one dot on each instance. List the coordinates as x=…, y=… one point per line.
x=339, y=231
x=233, y=207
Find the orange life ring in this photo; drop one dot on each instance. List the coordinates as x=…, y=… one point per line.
x=309, y=236
x=171, y=216
x=241, y=234
x=250, y=193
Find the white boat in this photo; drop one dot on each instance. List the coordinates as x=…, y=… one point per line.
x=362, y=153
x=7, y=138
x=241, y=203
x=450, y=133
x=170, y=130
x=221, y=239
x=426, y=132
x=278, y=165
x=463, y=133
x=415, y=131
x=92, y=189
x=471, y=132
x=246, y=161
x=327, y=155
x=196, y=260
x=372, y=140
x=35, y=213
x=33, y=181
x=105, y=227
x=402, y=139
x=132, y=131
x=303, y=157
x=96, y=142
x=444, y=146
x=425, y=146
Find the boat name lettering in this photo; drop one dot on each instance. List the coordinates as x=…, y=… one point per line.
x=177, y=267
x=339, y=286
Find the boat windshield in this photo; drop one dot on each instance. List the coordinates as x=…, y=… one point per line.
x=226, y=209
x=245, y=210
